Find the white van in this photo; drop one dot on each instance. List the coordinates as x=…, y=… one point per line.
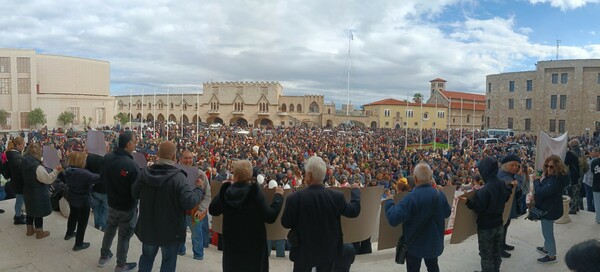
x=484, y=141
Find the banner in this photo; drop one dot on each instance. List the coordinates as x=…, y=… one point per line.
x=95, y=143
x=139, y=159
x=388, y=235
x=465, y=221
x=547, y=146
x=364, y=226
x=50, y=157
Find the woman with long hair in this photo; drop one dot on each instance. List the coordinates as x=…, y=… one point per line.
x=548, y=198
x=36, y=181
x=79, y=182
x=13, y=172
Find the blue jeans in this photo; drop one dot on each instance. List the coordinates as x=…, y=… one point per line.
x=548, y=233
x=19, y=202
x=100, y=208
x=197, y=238
x=589, y=196
x=279, y=247
x=169, y=257
x=206, y=236
x=597, y=204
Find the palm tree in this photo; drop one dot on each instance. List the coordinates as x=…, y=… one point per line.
x=417, y=97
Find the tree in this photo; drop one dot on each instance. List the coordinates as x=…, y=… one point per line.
x=36, y=117
x=122, y=118
x=66, y=117
x=3, y=117
x=417, y=97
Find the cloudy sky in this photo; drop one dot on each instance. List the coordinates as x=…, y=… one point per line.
x=397, y=46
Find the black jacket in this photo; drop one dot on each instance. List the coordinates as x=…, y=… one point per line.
x=93, y=163
x=548, y=196
x=245, y=212
x=595, y=168
x=118, y=174
x=164, y=197
x=314, y=215
x=79, y=182
x=572, y=162
x=489, y=201
x=35, y=193
x=13, y=170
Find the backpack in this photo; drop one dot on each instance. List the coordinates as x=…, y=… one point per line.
x=583, y=166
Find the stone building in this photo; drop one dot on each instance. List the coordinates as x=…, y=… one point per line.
x=55, y=84
x=393, y=113
x=243, y=103
x=556, y=97
x=464, y=110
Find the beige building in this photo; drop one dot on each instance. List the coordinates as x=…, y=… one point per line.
x=55, y=84
x=244, y=103
x=393, y=113
x=464, y=110
x=556, y=97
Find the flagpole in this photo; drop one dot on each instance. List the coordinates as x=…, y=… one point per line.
x=130, y=116
x=181, y=120
x=406, y=126
x=421, y=126
x=197, y=115
x=168, y=116
x=461, y=118
x=154, y=114
x=449, y=115
x=434, y=124
x=473, y=128
x=142, y=119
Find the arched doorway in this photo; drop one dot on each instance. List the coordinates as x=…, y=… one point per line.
x=397, y=126
x=185, y=119
x=213, y=120
x=149, y=117
x=329, y=123
x=263, y=122
x=138, y=117
x=239, y=122
x=195, y=119
x=172, y=118
x=160, y=117
x=373, y=124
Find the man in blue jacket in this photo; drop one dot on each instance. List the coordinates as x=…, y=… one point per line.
x=413, y=210
x=488, y=203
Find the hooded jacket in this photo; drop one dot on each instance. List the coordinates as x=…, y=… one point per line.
x=489, y=201
x=164, y=196
x=245, y=212
x=119, y=172
x=13, y=170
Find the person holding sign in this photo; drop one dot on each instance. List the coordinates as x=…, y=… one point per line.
x=245, y=212
x=196, y=216
x=35, y=190
x=423, y=212
x=313, y=215
x=488, y=203
x=164, y=196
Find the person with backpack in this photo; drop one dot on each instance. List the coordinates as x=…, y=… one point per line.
x=572, y=161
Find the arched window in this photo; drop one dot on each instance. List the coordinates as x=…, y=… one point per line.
x=314, y=107
x=291, y=107
x=283, y=108
x=299, y=108
x=468, y=118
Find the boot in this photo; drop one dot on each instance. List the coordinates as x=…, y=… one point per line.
x=30, y=230
x=40, y=233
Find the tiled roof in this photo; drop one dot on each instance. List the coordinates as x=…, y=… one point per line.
x=467, y=106
x=396, y=102
x=464, y=96
x=438, y=79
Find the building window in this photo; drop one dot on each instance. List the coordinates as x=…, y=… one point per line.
x=121, y=105
x=553, y=102
x=24, y=85
x=171, y=105
x=409, y=113
x=511, y=86
x=527, y=124
x=511, y=104
x=149, y=105
x=441, y=114
x=416, y=124
x=468, y=118
x=552, y=127
x=510, y=123
x=183, y=105
x=138, y=105
x=563, y=102
x=426, y=116
x=598, y=78
x=489, y=104
x=554, y=78
x=283, y=108
x=487, y=122
x=23, y=65
x=386, y=113
x=528, y=103
x=160, y=105
x=453, y=120
x=75, y=111
x=440, y=85
x=298, y=108
x=597, y=103
x=195, y=106
x=291, y=107
x=529, y=85
x=4, y=65
x=4, y=85
x=561, y=126
x=489, y=87
x=564, y=78
x=387, y=124
x=314, y=107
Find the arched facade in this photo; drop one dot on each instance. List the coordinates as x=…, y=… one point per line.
x=160, y=117
x=149, y=117
x=172, y=118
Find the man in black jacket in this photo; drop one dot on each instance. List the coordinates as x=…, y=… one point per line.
x=313, y=214
x=118, y=174
x=488, y=203
x=572, y=162
x=164, y=197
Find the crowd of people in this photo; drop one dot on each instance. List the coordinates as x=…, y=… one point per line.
x=398, y=160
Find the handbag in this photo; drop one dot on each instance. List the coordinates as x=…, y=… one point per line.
x=535, y=214
x=402, y=247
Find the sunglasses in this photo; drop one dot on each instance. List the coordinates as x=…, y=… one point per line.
x=549, y=166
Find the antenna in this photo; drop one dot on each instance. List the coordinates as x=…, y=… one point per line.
x=350, y=38
x=557, y=46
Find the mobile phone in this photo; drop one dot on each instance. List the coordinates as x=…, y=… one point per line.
x=539, y=172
